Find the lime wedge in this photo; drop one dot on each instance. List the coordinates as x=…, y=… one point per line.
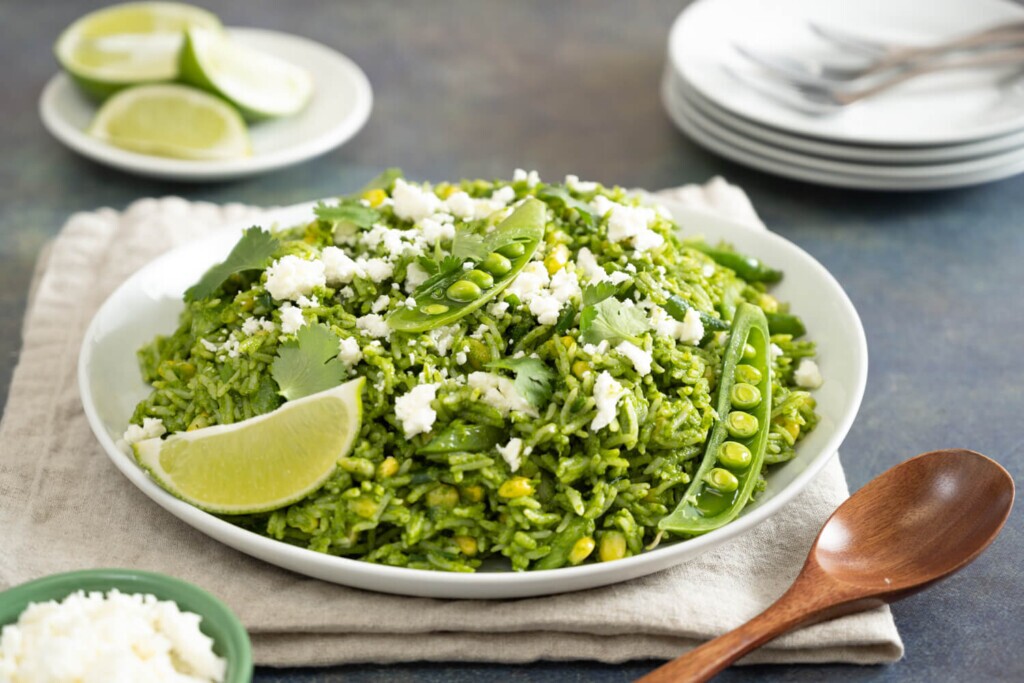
x=263, y=463
x=260, y=85
x=172, y=121
x=129, y=44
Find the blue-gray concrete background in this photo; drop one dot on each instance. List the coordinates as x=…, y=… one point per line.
x=476, y=88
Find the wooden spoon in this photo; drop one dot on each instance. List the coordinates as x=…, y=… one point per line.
x=915, y=524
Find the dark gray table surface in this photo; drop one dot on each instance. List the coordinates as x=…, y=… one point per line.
x=467, y=89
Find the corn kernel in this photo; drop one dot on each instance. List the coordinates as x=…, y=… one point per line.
x=568, y=341
x=375, y=197
x=613, y=546
x=516, y=487
x=580, y=368
x=792, y=427
x=387, y=468
x=557, y=259
x=364, y=507
x=768, y=303
x=467, y=544
x=581, y=550
x=474, y=493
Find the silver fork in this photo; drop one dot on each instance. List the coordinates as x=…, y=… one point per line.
x=826, y=99
x=891, y=57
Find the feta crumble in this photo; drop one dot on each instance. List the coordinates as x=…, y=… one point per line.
x=512, y=452
x=607, y=393
x=412, y=202
x=291, y=277
x=499, y=393
x=640, y=359
x=807, y=375
x=532, y=178
x=112, y=637
x=380, y=304
x=629, y=223
x=151, y=428
x=581, y=186
x=594, y=273
x=415, y=275
x=252, y=325
x=291, y=319
x=374, y=325
x=349, y=352
x=689, y=330
x=414, y=412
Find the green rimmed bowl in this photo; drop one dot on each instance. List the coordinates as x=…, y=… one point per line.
x=230, y=639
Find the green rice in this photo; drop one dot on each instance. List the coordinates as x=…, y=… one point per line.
x=389, y=504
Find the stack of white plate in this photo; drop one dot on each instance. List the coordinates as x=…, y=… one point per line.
x=946, y=129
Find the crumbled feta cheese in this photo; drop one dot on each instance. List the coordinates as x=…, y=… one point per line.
x=108, y=637
x=629, y=223
x=531, y=280
x=346, y=292
x=599, y=349
x=577, y=185
x=607, y=393
x=349, y=352
x=807, y=375
x=209, y=345
x=377, y=269
x=307, y=302
x=415, y=275
x=442, y=338
x=545, y=308
x=339, y=268
x=690, y=330
x=594, y=272
x=512, y=452
x=499, y=393
x=461, y=358
x=462, y=205
x=414, y=412
x=395, y=242
x=436, y=228
x=498, y=309
x=640, y=359
x=532, y=178
x=504, y=195
x=565, y=285
x=412, y=202
x=410, y=302
x=290, y=277
x=774, y=351
x=374, y=325
x=151, y=428
x=380, y=304
x=251, y=326
x=291, y=319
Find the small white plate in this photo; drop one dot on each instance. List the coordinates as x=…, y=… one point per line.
x=883, y=177
x=938, y=109
x=856, y=153
x=149, y=303
x=341, y=104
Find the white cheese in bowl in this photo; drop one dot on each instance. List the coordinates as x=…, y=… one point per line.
x=112, y=638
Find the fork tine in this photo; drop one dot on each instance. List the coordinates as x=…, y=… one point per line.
x=791, y=70
x=844, y=39
x=808, y=102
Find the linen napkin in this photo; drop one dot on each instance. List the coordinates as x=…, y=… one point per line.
x=63, y=506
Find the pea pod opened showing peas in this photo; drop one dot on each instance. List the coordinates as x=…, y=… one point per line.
x=735, y=452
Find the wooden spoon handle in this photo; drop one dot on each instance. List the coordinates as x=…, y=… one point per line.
x=703, y=662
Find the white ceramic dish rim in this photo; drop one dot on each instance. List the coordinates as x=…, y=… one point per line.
x=856, y=153
x=426, y=583
x=881, y=171
x=799, y=171
x=180, y=169
x=780, y=119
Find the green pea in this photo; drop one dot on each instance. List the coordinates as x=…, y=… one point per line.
x=743, y=395
x=734, y=455
x=480, y=278
x=512, y=250
x=748, y=373
x=749, y=352
x=479, y=354
x=741, y=425
x=434, y=309
x=463, y=291
x=496, y=264
x=723, y=480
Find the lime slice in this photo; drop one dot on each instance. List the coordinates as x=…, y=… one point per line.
x=172, y=121
x=263, y=463
x=260, y=85
x=129, y=44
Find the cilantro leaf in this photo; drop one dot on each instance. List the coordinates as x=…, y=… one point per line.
x=384, y=181
x=252, y=252
x=309, y=364
x=595, y=294
x=533, y=378
x=560, y=195
x=448, y=265
x=428, y=264
x=613, y=321
x=347, y=211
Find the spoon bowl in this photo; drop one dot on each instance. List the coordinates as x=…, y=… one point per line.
x=911, y=526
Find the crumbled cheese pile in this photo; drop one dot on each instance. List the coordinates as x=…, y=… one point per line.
x=113, y=638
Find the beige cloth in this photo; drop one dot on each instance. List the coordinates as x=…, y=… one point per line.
x=63, y=506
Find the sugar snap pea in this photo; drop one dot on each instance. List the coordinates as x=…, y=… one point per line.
x=731, y=464
x=456, y=291
x=747, y=267
x=677, y=307
x=785, y=323
x=458, y=437
x=563, y=542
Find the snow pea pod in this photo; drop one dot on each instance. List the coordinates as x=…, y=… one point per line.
x=458, y=437
x=456, y=291
x=677, y=307
x=731, y=464
x=747, y=267
x=564, y=541
x=785, y=323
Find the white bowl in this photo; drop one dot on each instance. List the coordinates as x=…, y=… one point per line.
x=149, y=302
